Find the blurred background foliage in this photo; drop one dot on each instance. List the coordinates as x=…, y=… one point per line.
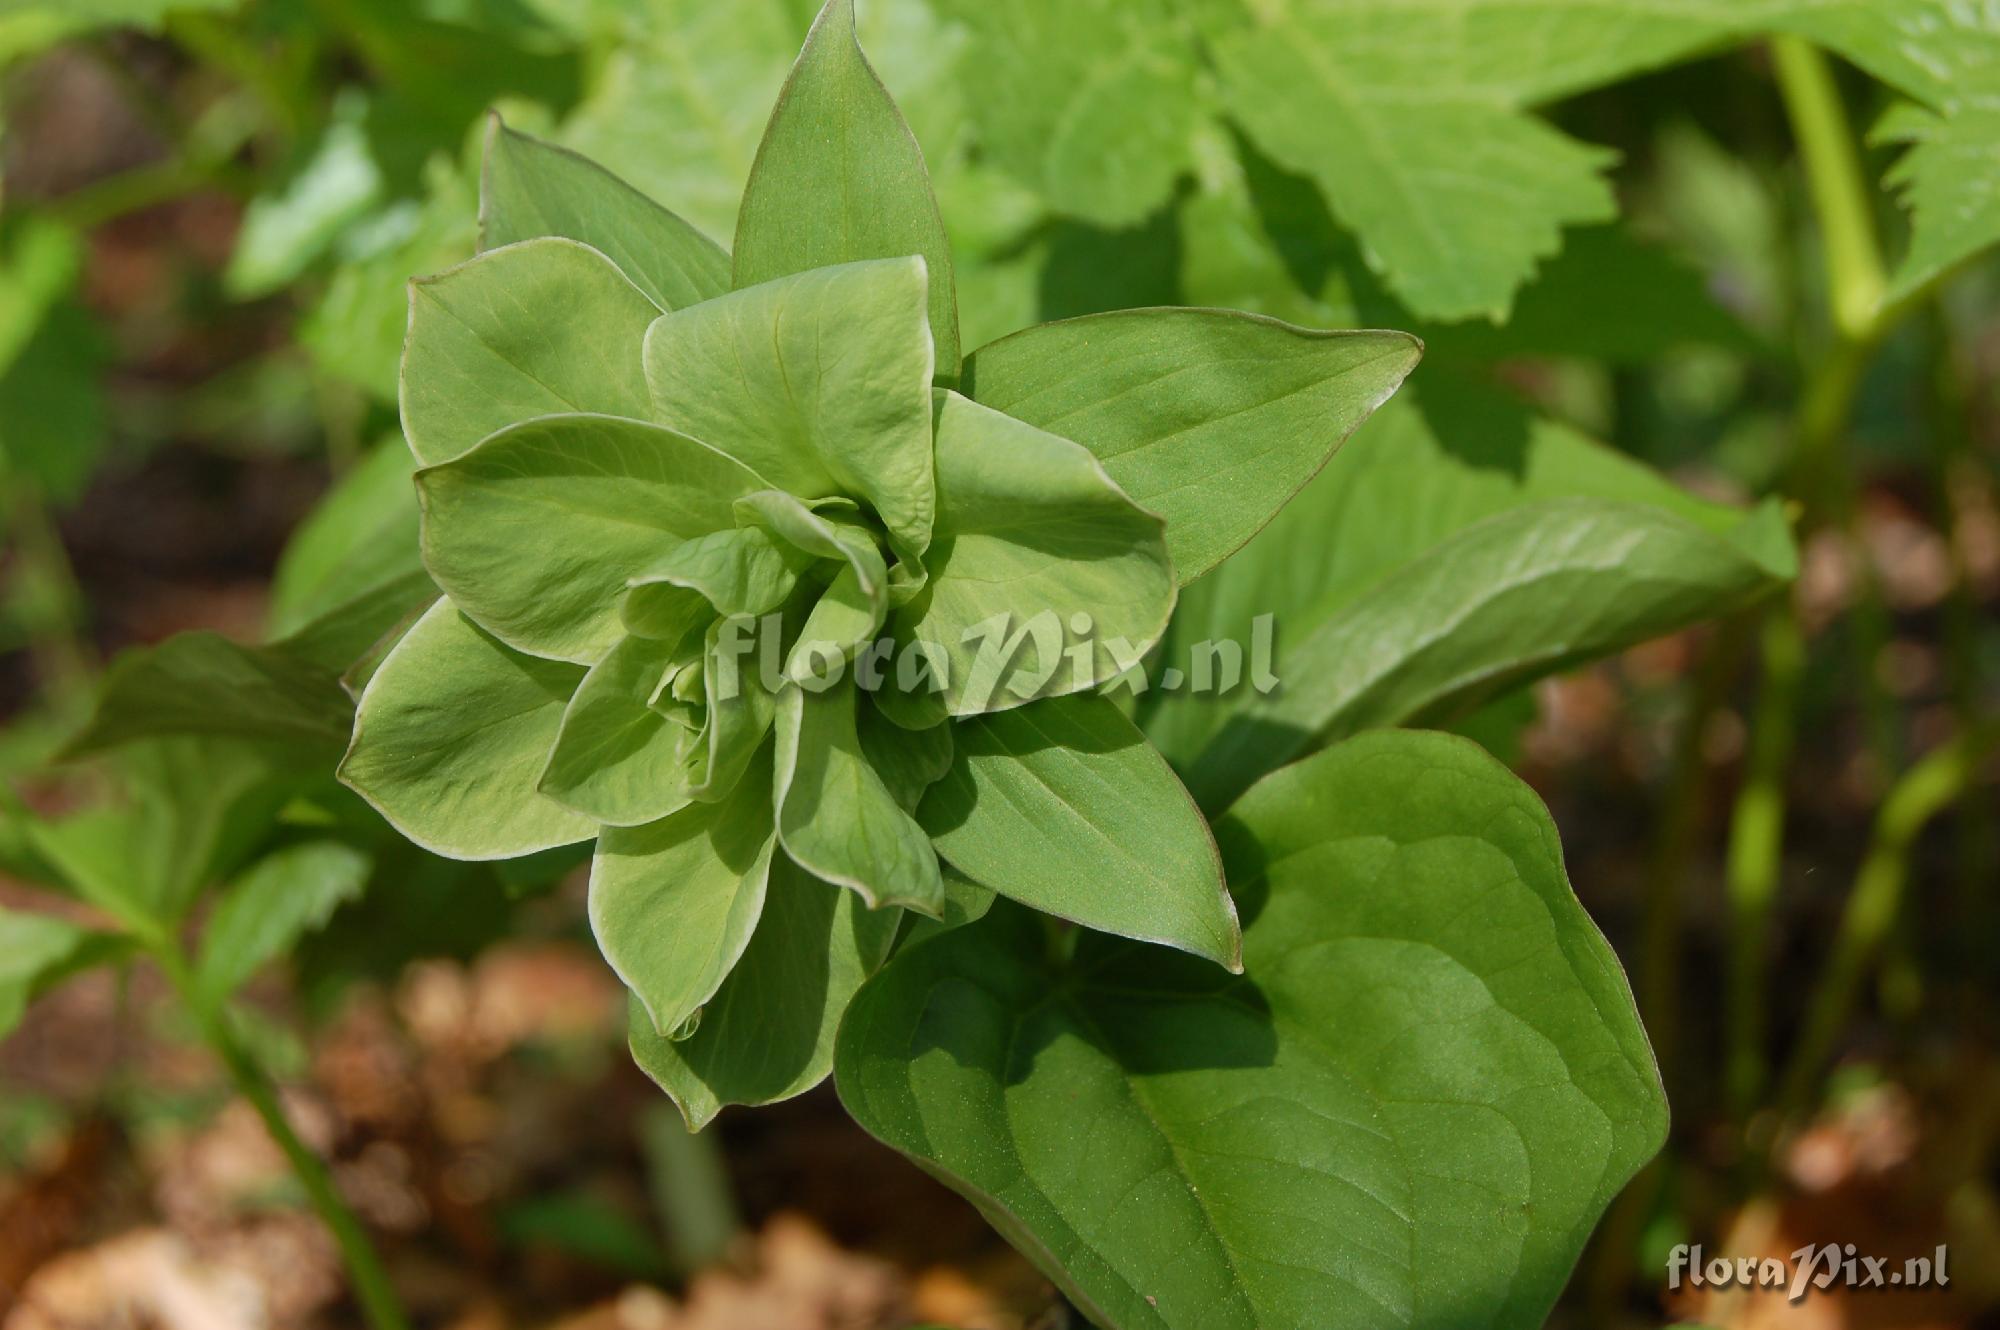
x=210, y=211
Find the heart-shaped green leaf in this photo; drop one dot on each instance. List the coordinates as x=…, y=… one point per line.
x=529, y=188
x=768, y=1032
x=1409, y=1110
x=451, y=737
x=674, y=903
x=537, y=531
x=819, y=382
x=1064, y=806
x=1045, y=578
x=535, y=329
x=1209, y=418
x=839, y=178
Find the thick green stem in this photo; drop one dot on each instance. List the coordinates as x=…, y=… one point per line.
x=1927, y=789
x=689, y=1180
x=372, y=1288
x=1856, y=276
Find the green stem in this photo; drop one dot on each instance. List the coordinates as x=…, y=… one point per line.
x=1927, y=789
x=689, y=1180
x=1856, y=276
x=372, y=1288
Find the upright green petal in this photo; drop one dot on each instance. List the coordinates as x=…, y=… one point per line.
x=768, y=1032
x=741, y=571
x=530, y=188
x=836, y=817
x=1045, y=578
x=819, y=382
x=533, y=329
x=536, y=532
x=451, y=737
x=674, y=903
x=839, y=177
x=619, y=758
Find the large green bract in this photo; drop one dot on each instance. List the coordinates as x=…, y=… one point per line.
x=734, y=577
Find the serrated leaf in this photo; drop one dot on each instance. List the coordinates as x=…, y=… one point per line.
x=673, y=904
x=275, y=902
x=1211, y=419
x=529, y=188
x=617, y=757
x=537, y=530
x=1064, y=806
x=1033, y=540
x=538, y=328
x=768, y=1032
x=840, y=178
x=39, y=951
x=1428, y=1029
x=1950, y=181
x=819, y=382
x=836, y=817
x=451, y=737
x=1092, y=102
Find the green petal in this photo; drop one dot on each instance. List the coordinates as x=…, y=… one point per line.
x=534, y=329
x=536, y=532
x=618, y=758
x=451, y=737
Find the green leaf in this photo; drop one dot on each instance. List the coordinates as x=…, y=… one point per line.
x=768, y=1032
x=1093, y=102
x=1390, y=517
x=1211, y=419
x=1947, y=180
x=536, y=531
x=190, y=811
x=290, y=227
x=1033, y=539
x=361, y=537
x=908, y=761
x=201, y=683
x=836, y=816
x=37, y=952
x=1410, y=116
x=618, y=757
x=1409, y=1110
x=451, y=737
x=529, y=188
x=1518, y=596
x=819, y=382
x=538, y=328
x=674, y=903
x=278, y=900
x=1064, y=806
x=840, y=178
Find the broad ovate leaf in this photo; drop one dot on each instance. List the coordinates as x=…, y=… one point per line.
x=1045, y=578
x=536, y=532
x=1209, y=418
x=767, y=1034
x=451, y=738
x=840, y=178
x=1410, y=1108
x=674, y=903
x=529, y=188
x=532, y=329
x=819, y=382
x=1064, y=806
x=836, y=816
